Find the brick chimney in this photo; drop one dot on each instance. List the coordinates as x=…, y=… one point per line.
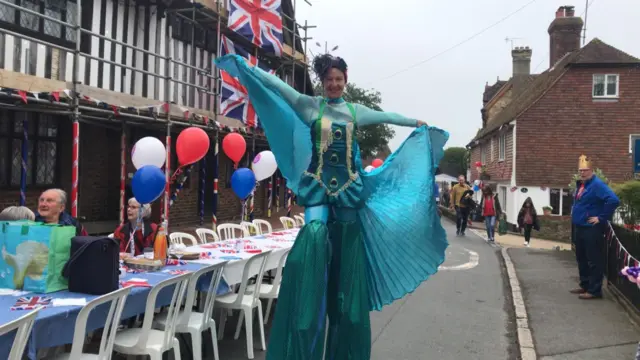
x=521, y=60
x=564, y=33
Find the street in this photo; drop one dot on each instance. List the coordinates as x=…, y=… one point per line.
x=463, y=312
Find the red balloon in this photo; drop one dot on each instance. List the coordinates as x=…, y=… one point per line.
x=234, y=146
x=376, y=163
x=192, y=145
x=478, y=164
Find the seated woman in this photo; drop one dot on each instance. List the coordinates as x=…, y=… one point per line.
x=143, y=237
x=15, y=213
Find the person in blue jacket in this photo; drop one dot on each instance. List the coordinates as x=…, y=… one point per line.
x=593, y=206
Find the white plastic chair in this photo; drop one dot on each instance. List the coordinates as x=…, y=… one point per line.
x=228, y=231
x=195, y=323
x=179, y=237
x=271, y=291
x=148, y=341
x=260, y=223
x=246, y=303
x=288, y=223
x=204, y=233
x=299, y=220
x=117, y=299
x=23, y=326
x=251, y=228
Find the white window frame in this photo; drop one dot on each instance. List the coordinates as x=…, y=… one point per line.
x=491, y=155
x=605, y=96
x=561, y=205
x=502, y=146
x=502, y=193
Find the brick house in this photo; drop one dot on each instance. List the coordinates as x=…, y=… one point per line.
x=534, y=127
x=42, y=64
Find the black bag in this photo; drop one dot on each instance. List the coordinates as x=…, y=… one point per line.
x=93, y=266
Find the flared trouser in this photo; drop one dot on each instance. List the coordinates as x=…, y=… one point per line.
x=324, y=276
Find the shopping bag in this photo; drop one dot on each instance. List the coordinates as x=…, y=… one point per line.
x=33, y=256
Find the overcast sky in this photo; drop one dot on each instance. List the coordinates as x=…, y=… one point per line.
x=379, y=38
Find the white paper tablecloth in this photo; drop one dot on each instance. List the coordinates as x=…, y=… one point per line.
x=278, y=242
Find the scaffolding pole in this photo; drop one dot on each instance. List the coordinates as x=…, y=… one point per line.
x=75, y=152
x=167, y=87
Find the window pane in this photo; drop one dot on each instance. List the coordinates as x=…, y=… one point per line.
x=4, y=160
x=46, y=163
x=18, y=124
x=554, y=201
x=598, y=85
x=8, y=13
x=71, y=19
x=16, y=162
x=30, y=21
x=53, y=8
x=612, y=82
x=47, y=126
x=567, y=202
x=4, y=124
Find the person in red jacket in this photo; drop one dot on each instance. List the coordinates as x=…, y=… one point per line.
x=144, y=237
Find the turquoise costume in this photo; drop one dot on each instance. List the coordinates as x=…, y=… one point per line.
x=370, y=238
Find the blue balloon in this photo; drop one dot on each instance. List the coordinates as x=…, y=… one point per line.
x=148, y=184
x=476, y=188
x=243, y=181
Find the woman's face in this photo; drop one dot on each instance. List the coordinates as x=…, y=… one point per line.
x=132, y=210
x=334, y=83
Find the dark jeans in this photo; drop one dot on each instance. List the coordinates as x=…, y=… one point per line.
x=462, y=216
x=527, y=232
x=589, y=242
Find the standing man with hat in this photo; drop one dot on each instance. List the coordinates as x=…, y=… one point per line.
x=593, y=206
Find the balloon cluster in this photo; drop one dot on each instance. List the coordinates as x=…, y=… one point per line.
x=149, y=156
x=376, y=163
x=632, y=273
x=476, y=185
x=243, y=180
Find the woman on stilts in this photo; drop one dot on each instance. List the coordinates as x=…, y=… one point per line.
x=370, y=238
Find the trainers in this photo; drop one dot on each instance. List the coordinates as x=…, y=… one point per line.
x=457, y=232
x=462, y=233
x=526, y=243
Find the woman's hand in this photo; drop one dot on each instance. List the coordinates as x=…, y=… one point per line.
x=421, y=123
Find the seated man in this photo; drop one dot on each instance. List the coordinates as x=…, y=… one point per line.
x=51, y=206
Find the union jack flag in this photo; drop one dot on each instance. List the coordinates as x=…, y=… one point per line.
x=259, y=21
x=234, y=99
x=31, y=303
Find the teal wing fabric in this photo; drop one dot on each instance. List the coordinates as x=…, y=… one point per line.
x=282, y=112
x=404, y=240
x=366, y=116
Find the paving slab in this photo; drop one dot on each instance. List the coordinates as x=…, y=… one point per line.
x=563, y=326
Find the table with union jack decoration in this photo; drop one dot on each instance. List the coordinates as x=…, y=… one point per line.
x=54, y=325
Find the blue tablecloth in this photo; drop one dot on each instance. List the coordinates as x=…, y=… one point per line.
x=54, y=326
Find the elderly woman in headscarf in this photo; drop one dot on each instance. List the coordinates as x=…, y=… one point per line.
x=143, y=237
x=16, y=213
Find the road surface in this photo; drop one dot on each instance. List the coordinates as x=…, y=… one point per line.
x=463, y=312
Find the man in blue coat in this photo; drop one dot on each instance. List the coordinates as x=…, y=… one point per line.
x=593, y=206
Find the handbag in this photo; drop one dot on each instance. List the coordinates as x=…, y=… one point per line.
x=93, y=266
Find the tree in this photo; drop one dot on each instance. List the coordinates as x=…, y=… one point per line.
x=454, y=161
x=371, y=138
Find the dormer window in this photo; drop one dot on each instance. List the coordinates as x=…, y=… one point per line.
x=605, y=85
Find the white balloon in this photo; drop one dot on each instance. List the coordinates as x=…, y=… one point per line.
x=369, y=168
x=476, y=183
x=148, y=151
x=264, y=165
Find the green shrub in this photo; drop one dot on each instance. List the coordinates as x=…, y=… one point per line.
x=629, y=194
